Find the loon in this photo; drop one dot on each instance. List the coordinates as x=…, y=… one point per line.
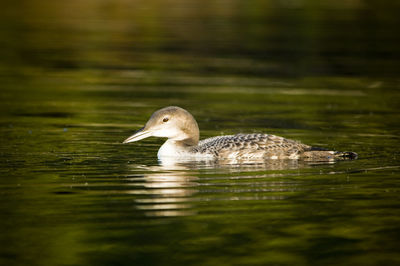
x=182, y=131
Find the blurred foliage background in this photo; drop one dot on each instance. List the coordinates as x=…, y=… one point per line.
x=283, y=38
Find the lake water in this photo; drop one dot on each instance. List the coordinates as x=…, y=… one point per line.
x=78, y=77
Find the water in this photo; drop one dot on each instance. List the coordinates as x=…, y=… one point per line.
x=79, y=77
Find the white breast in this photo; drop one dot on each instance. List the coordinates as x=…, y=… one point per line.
x=171, y=149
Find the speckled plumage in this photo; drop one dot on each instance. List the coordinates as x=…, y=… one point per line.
x=251, y=146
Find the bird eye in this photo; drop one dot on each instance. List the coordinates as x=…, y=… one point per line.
x=165, y=119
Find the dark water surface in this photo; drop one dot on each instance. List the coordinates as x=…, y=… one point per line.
x=78, y=77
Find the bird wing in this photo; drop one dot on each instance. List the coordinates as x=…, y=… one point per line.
x=250, y=145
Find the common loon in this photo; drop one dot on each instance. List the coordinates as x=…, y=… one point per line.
x=182, y=131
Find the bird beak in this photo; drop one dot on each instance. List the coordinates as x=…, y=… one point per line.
x=138, y=135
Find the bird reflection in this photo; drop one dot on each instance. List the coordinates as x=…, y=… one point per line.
x=169, y=189
x=250, y=164
x=166, y=191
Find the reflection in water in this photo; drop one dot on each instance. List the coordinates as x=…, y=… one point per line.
x=167, y=191
x=251, y=164
x=170, y=188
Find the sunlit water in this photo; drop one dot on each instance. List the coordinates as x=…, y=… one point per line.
x=74, y=85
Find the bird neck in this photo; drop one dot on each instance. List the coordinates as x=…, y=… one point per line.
x=176, y=148
x=188, y=142
x=190, y=133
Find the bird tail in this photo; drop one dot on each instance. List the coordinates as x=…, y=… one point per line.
x=346, y=155
x=321, y=154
